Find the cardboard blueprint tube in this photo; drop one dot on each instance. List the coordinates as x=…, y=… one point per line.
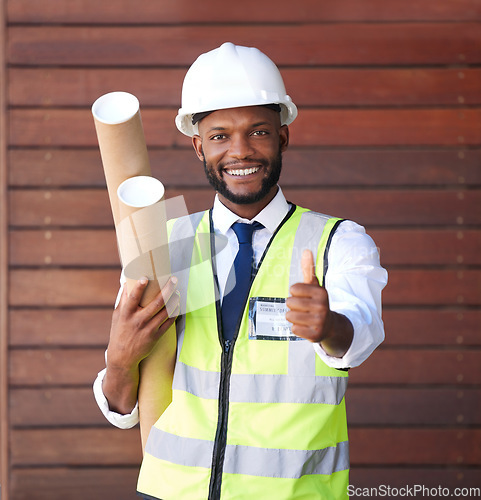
x=121, y=141
x=142, y=234
x=124, y=155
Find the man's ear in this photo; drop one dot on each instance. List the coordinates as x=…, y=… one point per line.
x=284, y=137
x=197, y=144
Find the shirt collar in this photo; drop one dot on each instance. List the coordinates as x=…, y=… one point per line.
x=270, y=217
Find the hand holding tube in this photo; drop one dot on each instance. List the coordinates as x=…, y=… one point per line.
x=134, y=333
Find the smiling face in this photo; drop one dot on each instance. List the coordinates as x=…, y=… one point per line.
x=241, y=149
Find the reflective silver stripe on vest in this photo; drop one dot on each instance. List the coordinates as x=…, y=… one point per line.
x=262, y=388
x=308, y=236
x=302, y=357
x=179, y=450
x=249, y=460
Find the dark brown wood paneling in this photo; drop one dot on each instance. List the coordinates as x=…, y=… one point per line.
x=97, y=247
x=64, y=248
x=388, y=134
x=308, y=86
x=423, y=366
x=302, y=167
x=432, y=327
x=325, y=127
x=50, y=208
x=60, y=447
x=4, y=265
x=334, y=44
x=428, y=247
x=60, y=327
x=63, y=287
x=411, y=405
x=250, y=11
x=396, y=446
x=90, y=327
x=64, y=367
x=415, y=446
x=64, y=406
x=75, y=483
x=433, y=406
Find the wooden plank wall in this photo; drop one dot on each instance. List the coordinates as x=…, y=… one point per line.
x=388, y=134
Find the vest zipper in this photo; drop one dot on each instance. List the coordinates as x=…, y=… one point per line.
x=221, y=433
x=220, y=440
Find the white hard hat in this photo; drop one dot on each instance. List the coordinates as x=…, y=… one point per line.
x=232, y=76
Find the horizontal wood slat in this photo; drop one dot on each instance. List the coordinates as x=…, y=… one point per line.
x=89, y=287
x=76, y=447
x=368, y=446
x=334, y=44
x=58, y=287
x=55, y=87
x=438, y=327
x=456, y=367
x=313, y=127
x=58, y=367
x=302, y=167
x=64, y=248
x=90, y=327
x=72, y=406
x=428, y=247
x=69, y=208
x=416, y=407
x=387, y=127
x=75, y=483
x=433, y=288
x=64, y=327
x=426, y=366
x=119, y=483
x=250, y=11
x=56, y=407
x=86, y=248
x=415, y=446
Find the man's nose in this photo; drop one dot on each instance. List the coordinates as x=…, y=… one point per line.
x=240, y=147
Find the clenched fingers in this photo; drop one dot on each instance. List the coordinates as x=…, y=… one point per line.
x=166, y=316
x=162, y=298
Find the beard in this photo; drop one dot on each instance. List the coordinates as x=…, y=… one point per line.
x=218, y=183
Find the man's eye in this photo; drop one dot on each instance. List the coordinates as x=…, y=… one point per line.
x=259, y=132
x=217, y=137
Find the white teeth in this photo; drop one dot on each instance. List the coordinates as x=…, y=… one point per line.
x=244, y=171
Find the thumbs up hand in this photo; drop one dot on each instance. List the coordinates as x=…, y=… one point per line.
x=308, y=304
x=308, y=268
x=311, y=316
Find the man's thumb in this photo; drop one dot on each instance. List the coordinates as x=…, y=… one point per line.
x=308, y=268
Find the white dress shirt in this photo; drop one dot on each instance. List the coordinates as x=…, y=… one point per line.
x=354, y=282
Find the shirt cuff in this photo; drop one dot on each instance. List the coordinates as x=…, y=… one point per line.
x=367, y=337
x=121, y=421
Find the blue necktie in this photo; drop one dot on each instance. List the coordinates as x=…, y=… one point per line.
x=233, y=303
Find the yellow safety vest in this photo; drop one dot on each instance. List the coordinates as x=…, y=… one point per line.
x=250, y=419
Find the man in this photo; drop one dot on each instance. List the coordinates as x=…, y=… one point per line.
x=258, y=394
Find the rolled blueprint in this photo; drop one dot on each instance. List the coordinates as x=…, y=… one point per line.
x=141, y=233
x=121, y=141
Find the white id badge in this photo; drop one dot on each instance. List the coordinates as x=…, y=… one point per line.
x=267, y=319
